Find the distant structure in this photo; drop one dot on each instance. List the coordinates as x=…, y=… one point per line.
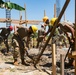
x=44, y=13
x=57, y=8
x=8, y=15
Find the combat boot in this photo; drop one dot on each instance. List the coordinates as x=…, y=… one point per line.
x=16, y=63
x=24, y=63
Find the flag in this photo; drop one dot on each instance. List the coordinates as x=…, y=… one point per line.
x=10, y=5
x=14, y=6
x=1, y=3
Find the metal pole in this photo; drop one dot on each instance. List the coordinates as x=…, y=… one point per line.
x=44, y=13
x=54, y=10
x=8, y=15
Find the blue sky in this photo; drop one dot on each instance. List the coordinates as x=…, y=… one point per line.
x=35, y=9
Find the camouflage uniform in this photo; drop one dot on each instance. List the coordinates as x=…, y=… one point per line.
x=55, y=36
x=62, y=26
x=4, y=37
x=67, y=27
x=41, y=33
x=18, y=43
x=16, y=48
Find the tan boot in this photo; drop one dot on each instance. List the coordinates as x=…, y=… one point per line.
x=16, y=62
x=73, y=63
x=24, y=63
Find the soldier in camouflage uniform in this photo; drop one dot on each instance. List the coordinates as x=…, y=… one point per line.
x=50, y=26
x=62, y=38
x=5, y=32
x=41, y=34
x=68, y=29
x=18, y=42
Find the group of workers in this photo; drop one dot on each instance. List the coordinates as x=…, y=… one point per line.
x=64, y=27
x=21, y=37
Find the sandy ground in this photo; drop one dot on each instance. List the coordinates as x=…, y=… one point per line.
x=44, y=66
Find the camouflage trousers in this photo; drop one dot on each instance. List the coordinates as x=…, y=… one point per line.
x=60, y=40
x=19, y=49
x=5, y=41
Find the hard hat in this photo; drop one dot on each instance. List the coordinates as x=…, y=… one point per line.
x=34, y=28
x=52, y=21
x=45, y=18
x=11, y=28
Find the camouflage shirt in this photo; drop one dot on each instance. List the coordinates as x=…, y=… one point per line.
x=22, y=32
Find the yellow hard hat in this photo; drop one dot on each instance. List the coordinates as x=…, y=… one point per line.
x=34, y=28
x=45, y=18
x=52, y=21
